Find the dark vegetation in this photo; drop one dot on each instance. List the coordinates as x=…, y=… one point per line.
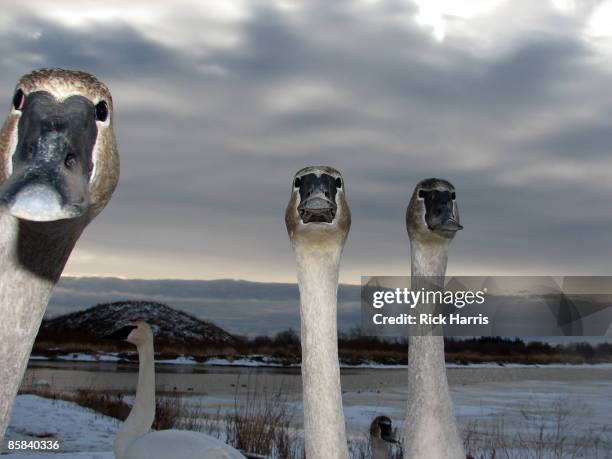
x=284, y=348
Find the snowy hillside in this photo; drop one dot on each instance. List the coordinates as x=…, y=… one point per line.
x=171, y=327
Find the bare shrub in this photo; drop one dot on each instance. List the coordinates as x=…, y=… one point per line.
x=261, y=422
x=169, y=410
x=545, y=431
x=106, y=404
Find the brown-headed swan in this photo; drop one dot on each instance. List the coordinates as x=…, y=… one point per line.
x=432, y=219
x=58, y=169
x=318, y=221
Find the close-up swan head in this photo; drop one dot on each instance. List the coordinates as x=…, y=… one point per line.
x=137, y=332
x=318, y=204
x=58, y=155
x=433, y=212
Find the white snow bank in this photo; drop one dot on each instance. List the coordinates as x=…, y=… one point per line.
x=77, y=429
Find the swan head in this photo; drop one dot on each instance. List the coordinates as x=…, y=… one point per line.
x=318, y=209
x=382, y=428
x=137, y=332
x=58, y=155
x=433, y=214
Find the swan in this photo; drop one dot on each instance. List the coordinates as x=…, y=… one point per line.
x=134, y=439
x=432, y=219
x=382, y=437
x=318, y=221
x=59, y=166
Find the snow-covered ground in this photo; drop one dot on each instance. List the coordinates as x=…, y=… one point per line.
x=80, y=357
x=582, y=409
x=82, y=433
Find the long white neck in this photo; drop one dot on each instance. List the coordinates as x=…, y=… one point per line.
x=324, y=428
x=140, y=419
x=431, y=429
x=32, y=257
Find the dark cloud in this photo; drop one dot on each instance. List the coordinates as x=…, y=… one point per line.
x=592, y=138
x=210, y=136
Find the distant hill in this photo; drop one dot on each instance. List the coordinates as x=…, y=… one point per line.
x=170, y=327
x=241, y=307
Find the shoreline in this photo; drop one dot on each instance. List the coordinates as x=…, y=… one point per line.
x=260, y=361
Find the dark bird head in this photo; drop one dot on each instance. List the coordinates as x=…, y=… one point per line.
x=58, y=155
x=433, y=213
x=318, y=211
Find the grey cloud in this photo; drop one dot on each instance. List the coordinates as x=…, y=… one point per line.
x=592, y=139
x=109, y=50
x=207, y=160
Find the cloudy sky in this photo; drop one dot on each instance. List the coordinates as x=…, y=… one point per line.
x=218, y=103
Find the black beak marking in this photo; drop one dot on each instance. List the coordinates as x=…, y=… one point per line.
x=317, y=198
x=440, y=210
x=386, y=432
x=121, y=334
x=53, y=158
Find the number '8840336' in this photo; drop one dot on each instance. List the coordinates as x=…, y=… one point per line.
x=33, y=444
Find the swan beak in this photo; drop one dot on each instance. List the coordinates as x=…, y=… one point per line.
x=121, y=334
x=449, y=224
x=317, y=208
x=441, y=213
x=390, y=440
x=52, y=160
x=39, y=202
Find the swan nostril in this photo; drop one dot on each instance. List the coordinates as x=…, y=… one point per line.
x=70, y=160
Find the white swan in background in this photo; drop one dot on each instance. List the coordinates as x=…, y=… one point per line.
x=318, y=221
x=382, y=437
x=58, y=169
x=432, y=219
x=135, y=439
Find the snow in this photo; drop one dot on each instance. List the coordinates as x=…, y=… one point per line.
x=520, y=405
x=80, y=357
x=252, y=361
x=83, y=433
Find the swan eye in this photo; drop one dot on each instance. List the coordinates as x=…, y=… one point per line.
x=18, y=99
x=338, y=183
x=101, y=111
x=422, y=194
x=297, y=182
x=453, y=196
